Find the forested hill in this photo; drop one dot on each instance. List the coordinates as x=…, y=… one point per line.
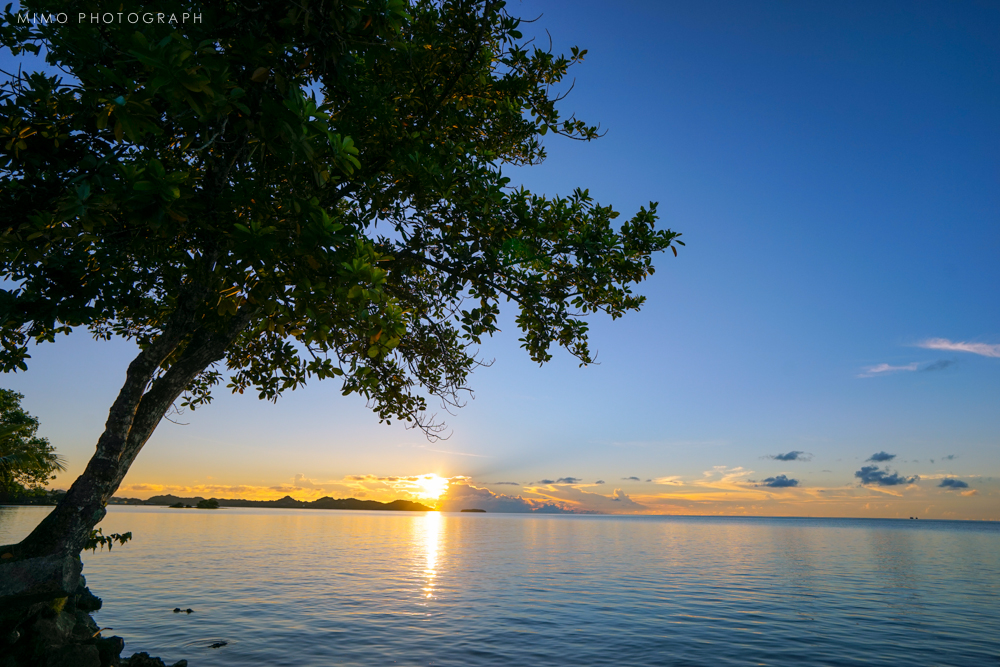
x=325, y=503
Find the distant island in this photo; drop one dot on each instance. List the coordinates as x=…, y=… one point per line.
x=325, y=503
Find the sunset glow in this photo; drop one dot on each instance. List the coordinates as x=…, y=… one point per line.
x=431, y=486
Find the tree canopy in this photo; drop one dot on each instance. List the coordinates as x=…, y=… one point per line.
x=27, y=461
x=283, y=191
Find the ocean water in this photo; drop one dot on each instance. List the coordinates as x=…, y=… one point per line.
x=312, y=588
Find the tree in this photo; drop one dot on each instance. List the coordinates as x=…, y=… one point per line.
x=285, y=191
x=26, y=460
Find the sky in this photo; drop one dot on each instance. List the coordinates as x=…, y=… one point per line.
x=826, y=344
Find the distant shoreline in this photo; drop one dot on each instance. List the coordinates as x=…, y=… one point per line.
x=410, y=506
x=325, y=503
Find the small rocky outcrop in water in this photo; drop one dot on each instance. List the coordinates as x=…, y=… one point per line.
x=60, y=632
x=144, y=660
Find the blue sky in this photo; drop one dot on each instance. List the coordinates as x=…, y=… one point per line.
x=834, y=170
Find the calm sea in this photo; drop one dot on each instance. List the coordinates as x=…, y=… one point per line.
x=312, y=588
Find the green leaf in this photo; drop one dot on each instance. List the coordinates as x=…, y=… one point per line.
x=235, y=207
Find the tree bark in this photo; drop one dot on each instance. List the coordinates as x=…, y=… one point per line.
x=132, y=419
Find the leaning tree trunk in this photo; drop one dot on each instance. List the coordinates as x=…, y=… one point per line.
x=132, y=419
x=44, y=603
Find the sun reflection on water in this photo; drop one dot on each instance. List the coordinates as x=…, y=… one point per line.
x=432, y=523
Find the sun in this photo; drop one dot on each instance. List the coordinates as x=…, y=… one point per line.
x=432, y=486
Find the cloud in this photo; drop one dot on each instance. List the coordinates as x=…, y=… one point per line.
x=461, y=496
x=576, y=498
x=448, y=451
x=938, y=365
x=506, y=484
x=791, y=456
x=143, y=488
x=950, y=457
x=872, y=475
x=881, y=456
x=559, y=499
x=727, y=475
x=561, y=480
x=970, y=492
x=631, y=479
x=982, y=349
x=600, y=481
x=301, y=481
x=374, y=487
x=674, y=480
x=555, y=509
x=951, y=483
x=779, y=482
x=244, y=491
x=881, y=369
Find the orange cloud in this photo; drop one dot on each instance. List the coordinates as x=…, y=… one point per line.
x=720, y=490
x=422, y=488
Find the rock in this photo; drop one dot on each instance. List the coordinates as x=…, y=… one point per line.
x=145, y=660
x=74, y=655
x=86, y=628
x=87, y=601
x=50, y=633
x=110, y=649
x=35, y=579
x=142, y=659
x=59, y=632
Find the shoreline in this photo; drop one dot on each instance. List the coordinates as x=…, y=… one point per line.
x=693, y=517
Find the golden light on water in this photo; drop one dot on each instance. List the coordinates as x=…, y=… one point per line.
x=432, y=542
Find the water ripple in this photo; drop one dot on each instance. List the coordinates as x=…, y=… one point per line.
x=315, y=588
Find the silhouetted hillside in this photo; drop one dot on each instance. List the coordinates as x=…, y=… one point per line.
x=325, y=503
